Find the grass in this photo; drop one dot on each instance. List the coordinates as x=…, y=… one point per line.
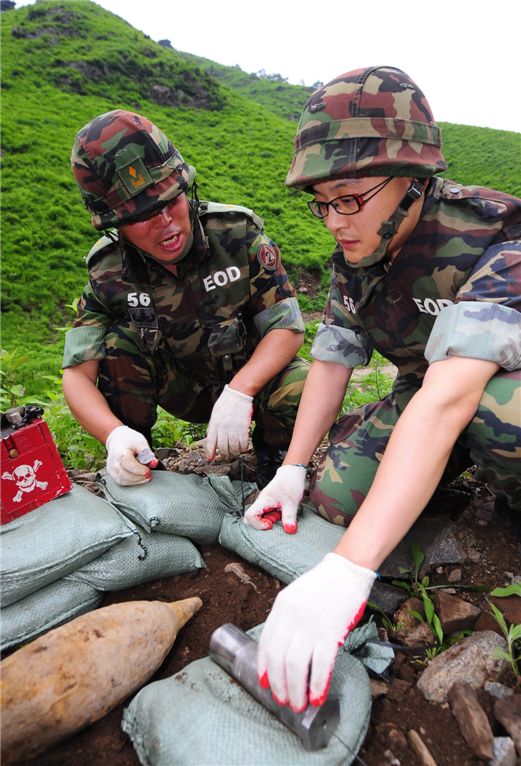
x=65, y=61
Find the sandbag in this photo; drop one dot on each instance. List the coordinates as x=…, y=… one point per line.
x=56, y=539
x=202, y=717
x=47, y=608
x=284, y=556
x=138, y=559
x=181, y=504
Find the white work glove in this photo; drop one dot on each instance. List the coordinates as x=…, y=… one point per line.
x=123, y=446
x=309, y=620
x=229, y=426
x=279, y=499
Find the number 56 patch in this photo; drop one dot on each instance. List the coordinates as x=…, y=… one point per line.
x=138, y=299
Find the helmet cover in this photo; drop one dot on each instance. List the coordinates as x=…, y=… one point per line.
x=126, y=167
x=369, y=122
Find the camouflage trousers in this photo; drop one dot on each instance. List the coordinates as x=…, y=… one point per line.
x=134, y=385
x=491, y=442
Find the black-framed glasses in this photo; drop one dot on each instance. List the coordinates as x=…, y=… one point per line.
x=349, y=204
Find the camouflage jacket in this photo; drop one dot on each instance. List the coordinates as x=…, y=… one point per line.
x=231, y=289
x=454, y=289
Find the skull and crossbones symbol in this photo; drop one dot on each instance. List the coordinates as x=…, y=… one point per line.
x=25, y=478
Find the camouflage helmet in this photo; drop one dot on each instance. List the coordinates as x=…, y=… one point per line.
x=126, y=167
x=369, y=122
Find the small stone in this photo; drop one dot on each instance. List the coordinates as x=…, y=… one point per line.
x=455, y=613
x=508, y=712
x=390, y=758
x=455, y=575
x=397, y=689
x=420, y=749
x=472, y=719
x=397, y=741
x=406, y=672
x=504, y=752
x=497, y=690
x=378, y=688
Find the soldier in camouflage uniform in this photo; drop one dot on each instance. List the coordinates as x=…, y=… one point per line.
x=428, y=272
x=188, y=307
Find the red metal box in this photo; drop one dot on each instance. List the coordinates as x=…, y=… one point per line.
x=32, y=471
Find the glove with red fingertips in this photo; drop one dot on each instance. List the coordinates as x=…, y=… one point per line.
x=309, y=620
x=124, y=450
x=229, y=426
x=279, y=499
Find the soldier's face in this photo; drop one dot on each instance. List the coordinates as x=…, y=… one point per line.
x=357, y=234
x=164, y=235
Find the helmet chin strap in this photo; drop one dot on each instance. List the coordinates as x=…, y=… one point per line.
x=389, y=228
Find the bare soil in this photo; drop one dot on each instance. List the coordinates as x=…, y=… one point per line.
x=226, y=598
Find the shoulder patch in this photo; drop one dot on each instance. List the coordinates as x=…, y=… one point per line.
x=97, y=249
x=268, y=257
x=218, y=208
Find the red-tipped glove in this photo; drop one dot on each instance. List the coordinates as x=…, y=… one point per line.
x=123, y=445
x=229, y=425
x=282, y=495
x=309, y=620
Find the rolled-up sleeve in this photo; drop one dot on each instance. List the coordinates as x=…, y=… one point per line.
x=284, y=315
x=84, y=342
x=480, y=330
x=340, y=345
x=485, y=321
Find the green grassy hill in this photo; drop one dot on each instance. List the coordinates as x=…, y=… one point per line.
x=64, y=63
x=270, y=90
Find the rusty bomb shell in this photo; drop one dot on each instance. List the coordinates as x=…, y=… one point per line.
x=78, y=672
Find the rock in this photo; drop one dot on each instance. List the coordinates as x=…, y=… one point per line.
x=420, y=749
x=469, y=661
x=398, y=689
x=504, y=752
x=387, y=597
x=378, y=688
x=497, y=690
x=455, y=613
x=403, y=619
x=420, y=636
x=397, y=741
x=508, y=712
x=455, y=575
x=509, y=606
x=390, y=758
x=472, y=719
x=433, y=535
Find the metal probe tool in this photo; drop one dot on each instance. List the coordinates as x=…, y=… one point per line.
x=236, y=652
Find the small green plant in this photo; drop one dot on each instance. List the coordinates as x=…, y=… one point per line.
x=11, y=392
x=419, y=587
x=370, y=387
x=169, y=430
x=512, y=633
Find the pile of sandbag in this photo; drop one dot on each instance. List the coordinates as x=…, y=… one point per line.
x=58, y=560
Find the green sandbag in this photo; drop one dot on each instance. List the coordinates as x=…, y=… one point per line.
x=56, y=539
x=138, y=559
x=47, y=608
x=202, y=717
x=181, y=504
x=284, y=556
